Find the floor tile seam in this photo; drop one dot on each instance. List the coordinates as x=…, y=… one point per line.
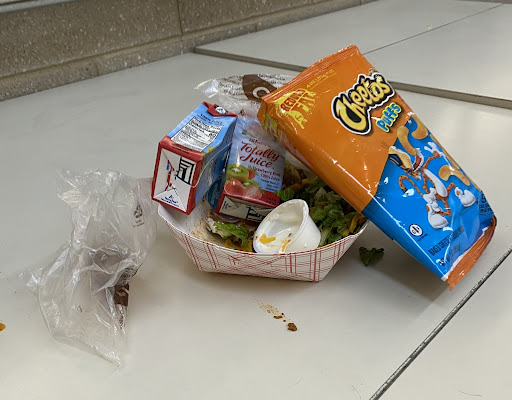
x=433, y=29
x=420, y=89
x=444, y=322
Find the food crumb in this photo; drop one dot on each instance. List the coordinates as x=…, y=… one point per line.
x=278, y=315
x=270, y=309
x=2, y=327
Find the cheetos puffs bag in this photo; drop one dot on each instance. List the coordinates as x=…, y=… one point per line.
x=344, y=121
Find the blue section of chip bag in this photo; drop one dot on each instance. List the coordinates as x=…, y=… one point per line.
x=434, y=219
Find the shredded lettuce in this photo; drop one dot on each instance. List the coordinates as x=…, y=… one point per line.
x=334, y=217
x=286, y=194
x=370, y=256
x=227, y=230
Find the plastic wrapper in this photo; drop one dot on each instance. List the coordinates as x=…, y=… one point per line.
x=242, y=94
x=343, y=120
x=83, y=292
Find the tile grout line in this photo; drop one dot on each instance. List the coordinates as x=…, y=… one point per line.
x=257, y=19
x=408, y=361
x=179, y=18
x=251, y=60
x=20, y=5
x=425, y=90
x=454, y=95
x=433, y=29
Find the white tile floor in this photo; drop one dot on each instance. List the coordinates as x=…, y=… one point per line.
x=197, y=335
x=445, y=45
x=370, y=27
x=471, y=56
x=473, y=351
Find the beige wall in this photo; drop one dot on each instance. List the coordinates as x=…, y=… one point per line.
x=57, y=44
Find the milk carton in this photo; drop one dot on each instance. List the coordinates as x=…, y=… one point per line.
x=192, y=156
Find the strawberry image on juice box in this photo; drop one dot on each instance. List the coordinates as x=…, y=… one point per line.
x=192, y=157
x=254, y=172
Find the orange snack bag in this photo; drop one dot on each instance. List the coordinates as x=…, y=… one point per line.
x=344, y=121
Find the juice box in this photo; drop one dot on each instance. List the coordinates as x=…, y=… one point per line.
x=254, y=172
x=192, y=156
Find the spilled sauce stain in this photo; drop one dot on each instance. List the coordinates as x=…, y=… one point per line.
x=266, y=240
x=2, y=327
x=279, y=315
x=284, y=244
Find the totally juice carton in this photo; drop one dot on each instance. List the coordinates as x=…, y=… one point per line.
x=192, y=156
x=254, y=172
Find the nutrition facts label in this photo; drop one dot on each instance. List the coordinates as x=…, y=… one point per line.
x=196, y=135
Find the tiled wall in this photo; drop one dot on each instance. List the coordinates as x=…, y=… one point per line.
x=44, y=47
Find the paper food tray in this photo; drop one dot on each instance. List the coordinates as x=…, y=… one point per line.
x=210, y=256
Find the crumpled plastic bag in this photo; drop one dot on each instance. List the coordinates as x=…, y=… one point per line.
x=83, y=293
x=241, y=94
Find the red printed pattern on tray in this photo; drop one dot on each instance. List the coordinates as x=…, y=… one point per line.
x=305, y=266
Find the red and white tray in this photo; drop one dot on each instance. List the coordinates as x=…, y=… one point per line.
x=210, y=256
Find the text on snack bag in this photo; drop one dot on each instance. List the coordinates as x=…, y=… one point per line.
x=352, y=108
x=389, y=116
x=297, y=105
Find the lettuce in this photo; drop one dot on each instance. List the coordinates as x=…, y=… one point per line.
x=226, y=230
x=334, y=217
x=286, y=194
x=370, y=256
